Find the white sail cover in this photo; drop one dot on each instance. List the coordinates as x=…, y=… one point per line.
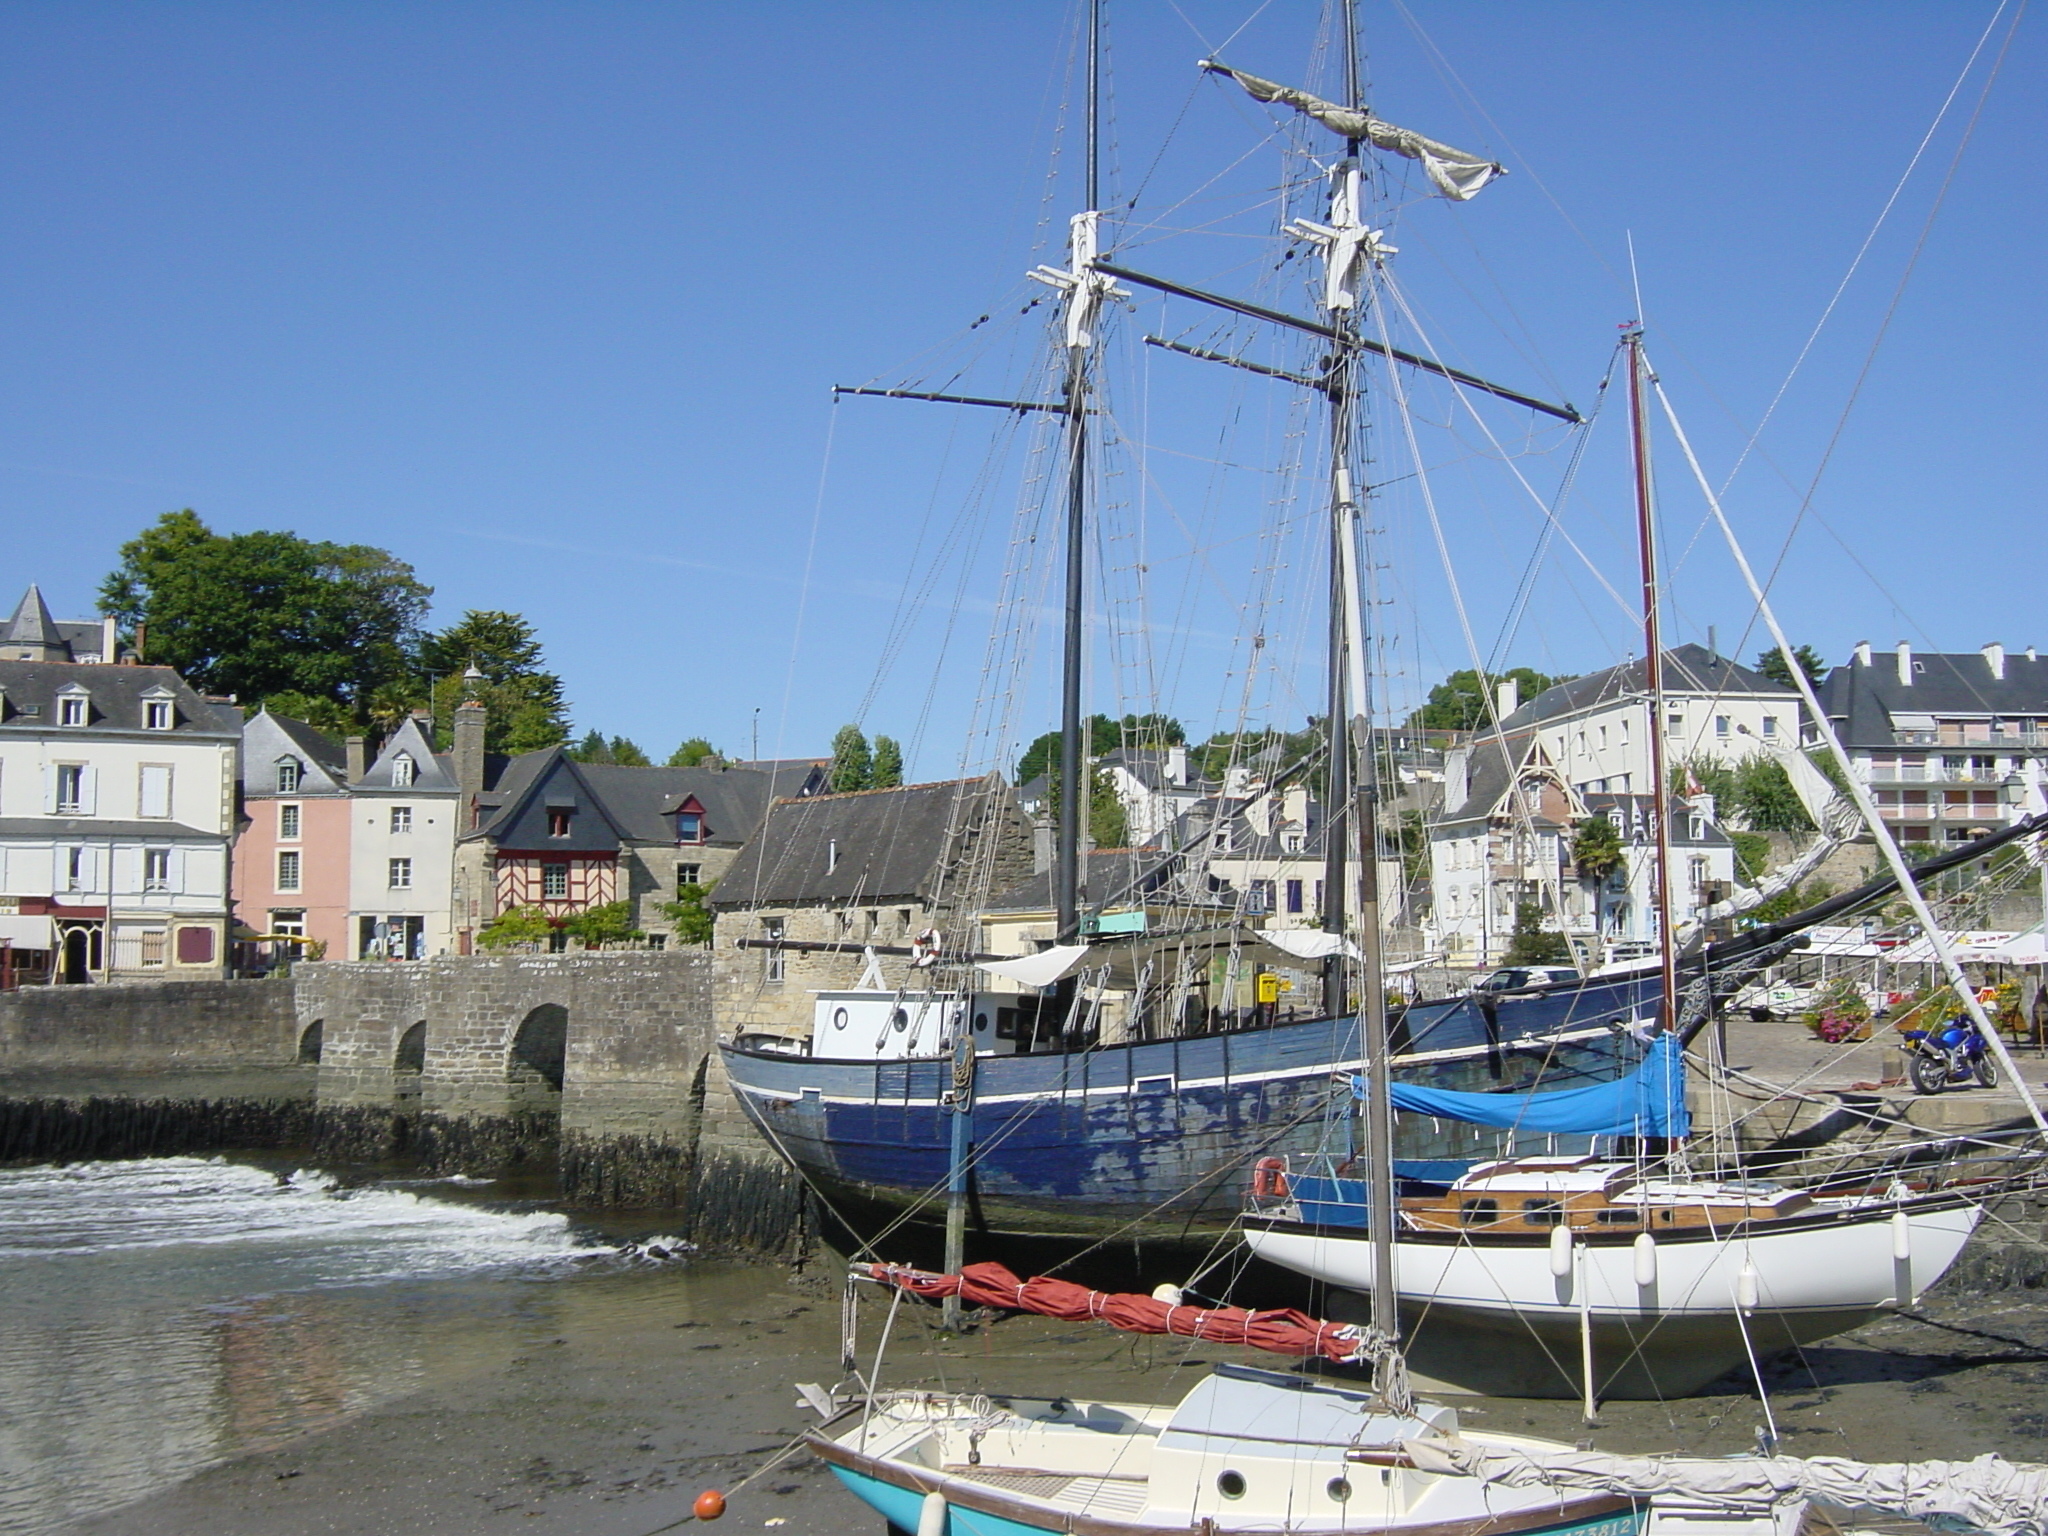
x=1455, y=173
x=1990, y=1494
x=1308, y=943
x=1041, y=969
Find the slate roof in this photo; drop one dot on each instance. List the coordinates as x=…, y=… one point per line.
x=31, y=623
x=1110, y=877
x=433, y=774
x=1489, y=772
x=794, y=776
x=267, y=737
x=1688, y=669
x=890, y=845
x=117, y=698
x=1865, y=701
x=636, y=805
x=1630, y=815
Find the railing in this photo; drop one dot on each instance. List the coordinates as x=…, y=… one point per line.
x=1970, y=736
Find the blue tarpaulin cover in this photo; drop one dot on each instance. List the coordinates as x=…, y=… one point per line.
x=1650, y=1101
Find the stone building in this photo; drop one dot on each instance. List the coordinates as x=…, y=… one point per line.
x=117, y=791
x=546, y=831
x=830, y=878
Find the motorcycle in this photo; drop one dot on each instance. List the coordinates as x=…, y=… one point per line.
x=1953, y=1053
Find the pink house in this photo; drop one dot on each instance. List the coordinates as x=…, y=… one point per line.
x=292, y=855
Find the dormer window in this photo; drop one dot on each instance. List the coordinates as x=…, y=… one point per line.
x=690, y=824
x=156, y=714
x=71, y=709
x=559, y=817
x=289, y=772
x=402, y=770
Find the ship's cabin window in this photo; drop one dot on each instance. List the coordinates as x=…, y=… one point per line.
x=1543, y=1213
x=1479, y=1213
x=1618, y=1217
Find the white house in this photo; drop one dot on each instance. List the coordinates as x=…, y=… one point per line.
x=402, y=825
x=117, y=794
x=1594, y=729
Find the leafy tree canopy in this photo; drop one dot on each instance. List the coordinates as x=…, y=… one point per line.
x=1108, y=824
x=1756, y=792
x=853, y=762
x=888, y=764
x=498, y=644
x=618, y=751
x=1104, y=736
x=694, y=752
x=265, y=613
x=611, y=923
x=1597, y=848
x=524, y=710
x=1462, y=701
x=1771, y=662
x=693, y=919
x=516, y=925
x=1532, y=943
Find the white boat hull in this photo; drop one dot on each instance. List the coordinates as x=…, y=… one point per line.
x=1491, y=1315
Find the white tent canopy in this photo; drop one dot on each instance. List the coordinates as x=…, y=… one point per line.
x=1283, y=946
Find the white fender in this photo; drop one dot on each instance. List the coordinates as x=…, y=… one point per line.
x=1902, y=1236
x=1561, y=1251
x=1646, y=1261
x=931, y=1515
x=1746, y=1287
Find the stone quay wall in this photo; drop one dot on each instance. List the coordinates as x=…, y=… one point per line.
x=147, y=1027
x=601, y=1065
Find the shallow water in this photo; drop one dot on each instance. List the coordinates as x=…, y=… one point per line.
x=162, y=1315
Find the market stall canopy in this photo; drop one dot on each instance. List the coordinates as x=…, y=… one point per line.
x=1982, y=948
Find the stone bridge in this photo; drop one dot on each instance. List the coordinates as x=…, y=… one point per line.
x=602, y=1065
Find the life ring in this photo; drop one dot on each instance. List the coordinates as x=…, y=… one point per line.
x=924, y=949
x=1269, y=1179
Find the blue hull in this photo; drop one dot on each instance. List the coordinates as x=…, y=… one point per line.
x=1158, y=1133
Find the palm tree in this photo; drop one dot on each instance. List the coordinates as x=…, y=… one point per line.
x=1598, y=852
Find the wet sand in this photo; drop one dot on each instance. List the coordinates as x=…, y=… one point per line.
x=614, y=1399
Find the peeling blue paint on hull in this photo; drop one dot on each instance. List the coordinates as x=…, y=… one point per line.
x=1160, y=1132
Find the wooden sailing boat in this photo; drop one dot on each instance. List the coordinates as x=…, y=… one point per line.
x=1588, y=1277
x=1149, y=1139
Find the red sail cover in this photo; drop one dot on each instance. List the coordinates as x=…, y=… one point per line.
x=1283, y=1332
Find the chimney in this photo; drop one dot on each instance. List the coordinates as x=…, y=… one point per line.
x=469, y=760
x=110, y=640
x=358, y=748
x=1862, y=653
x=1905, y=665
x=1507, y=695
x=1177, y=765
x=1994, y=658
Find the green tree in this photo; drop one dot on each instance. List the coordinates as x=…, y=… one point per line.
x=322, y=714
x=853, y=765
x=1597, y=848
x=265, y=613
x=694, y=752
x=1532, y=943
x=1108, y=824
x=1104, y=736
x=1771, y=662
x=1785, y=903
x=694, y=920
x=524, y=708
x=1463, y=701
x=1752, y=856
x=516, y=925
x=593, y=748
x=627, y=755
x=1765, y=798
x=610, y=923
x=888, y=766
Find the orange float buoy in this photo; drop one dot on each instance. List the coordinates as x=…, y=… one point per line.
x=709, y=1506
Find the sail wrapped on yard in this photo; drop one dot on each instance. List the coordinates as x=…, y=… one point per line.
x=1988, y=1494
x=1649, y=1101
x=1455, y=173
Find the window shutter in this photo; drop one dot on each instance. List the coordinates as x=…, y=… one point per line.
x=156, y=790
x=88, y=791
x=50, y=792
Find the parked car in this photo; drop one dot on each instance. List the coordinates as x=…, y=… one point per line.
x=1515, y=978
x=1763, y=1000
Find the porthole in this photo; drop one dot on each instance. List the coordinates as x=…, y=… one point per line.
x=1230, y=1484
x=839, y=1018
x=981, y=1023
x=1339, y=1489
x=899, y=1020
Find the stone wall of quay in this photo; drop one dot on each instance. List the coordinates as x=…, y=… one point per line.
x=603, y=1066
x=145, y=1027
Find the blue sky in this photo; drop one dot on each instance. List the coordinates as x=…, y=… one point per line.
x=547, y=299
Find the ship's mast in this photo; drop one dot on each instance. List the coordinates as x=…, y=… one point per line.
x=1653, y=676
x=1082, y=296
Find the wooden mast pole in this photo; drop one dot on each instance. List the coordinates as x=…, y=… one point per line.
x=1653, y=658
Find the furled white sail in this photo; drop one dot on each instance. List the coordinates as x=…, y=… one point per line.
x=1989, y=1494
x=1455, y=173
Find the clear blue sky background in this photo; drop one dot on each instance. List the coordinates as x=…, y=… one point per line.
x=547, y=299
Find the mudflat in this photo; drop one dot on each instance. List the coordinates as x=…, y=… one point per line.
x=611, y=1401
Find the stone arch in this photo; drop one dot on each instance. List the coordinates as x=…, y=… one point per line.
x=411, y=1055
x=540, y=1046
x=310, y=1040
